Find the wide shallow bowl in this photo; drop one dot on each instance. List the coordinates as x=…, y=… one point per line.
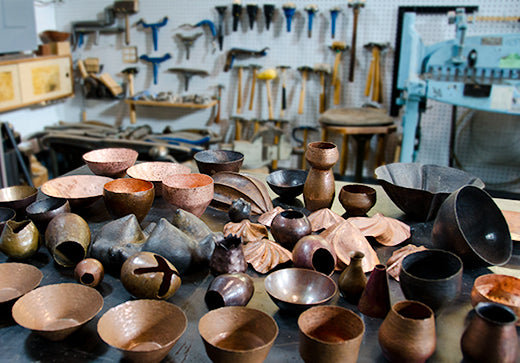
x=500, y=289
x=433, y=277
x=419, y=190
x=287, y=183
x=6, y=214
x=191, y=192
x=156, y=171
x=43, y=211
x=330, y=334
x=56, y=311
x=144, y=330
x=18, y=198
x=237, y=334
x=111, y=162
x=297, y=289
x=357, y=199
x=470, y=224
x=17, y=279
x=80, y=190
x=212, y=161
x=126, y=196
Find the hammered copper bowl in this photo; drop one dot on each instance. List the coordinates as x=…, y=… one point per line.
x=128, y=196
x=80, y=190
x=357, y=199
x=419, y=190
x=43, y=211
x=288, y=183
x=297, y=289
x=17, y=279
x=433, y=277
x=500, y=289
x=191, y=192
x=156, y=171
x=18, y=198
x=111, y=162
x=56, y=311
x=212, y=161
x=143, y=330
x=470, y=224
x=237, y=334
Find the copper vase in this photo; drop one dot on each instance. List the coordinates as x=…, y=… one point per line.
x=375, y=299
x=319, y=189
x=491, y=335
x=68, y=239
x=408, y=333
x=289, y=226
x=315, y=253
x=352, y=281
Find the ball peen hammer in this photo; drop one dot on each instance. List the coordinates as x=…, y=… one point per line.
x=305, y=70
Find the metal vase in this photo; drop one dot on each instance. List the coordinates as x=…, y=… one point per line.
x=68, y=238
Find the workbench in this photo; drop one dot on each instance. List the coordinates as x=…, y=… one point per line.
x=20, y=345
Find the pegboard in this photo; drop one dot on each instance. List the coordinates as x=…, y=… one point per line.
x=377, y=24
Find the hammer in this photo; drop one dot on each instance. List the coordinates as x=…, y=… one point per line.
x=284, y=88
x=126, y=7
x=188, y=73
x=268, y=75
x=240, y=69
x=155, y=27
x=155, y=62
x=254, y=68
x=322, y=69
x=304, y=70
x=337, y=47
x=130, y=73
x=188, y=42
x=355, y=5
x=219, y=98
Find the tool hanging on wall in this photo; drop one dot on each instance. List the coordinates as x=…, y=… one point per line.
x=236, y=12
x=284, y=89
x=221, y=10
x=374, y=78
x=289, y=9
x=252, y=13
x=242, y=53
x=338, y=47
x=311, y=11
x=305, y=70
x=155, y=63
x=80, y=28
x=188, y=42
x=355, y=5
x=202, y=23
x=268, y=14
x=268, y=75
x=126, y=7
x=130, y=73
x=155, y=29
x=323, y=69
x=254, y=69
x=334, y=12
x=187, y=73
x=240, y=69
x=219, y=101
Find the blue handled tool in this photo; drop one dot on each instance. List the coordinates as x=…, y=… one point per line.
x=155, y=28
x=155, y=62
x=311, y=11
x=334, y=12
x=289, y=9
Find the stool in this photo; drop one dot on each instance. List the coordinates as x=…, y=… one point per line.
x=362, y=124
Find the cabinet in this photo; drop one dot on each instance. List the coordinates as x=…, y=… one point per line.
x=29, y=81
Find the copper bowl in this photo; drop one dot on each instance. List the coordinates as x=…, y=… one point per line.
x=144, y=330
x=297, y=289
x=6, y=214
x=237, y=334
x=111, y=162
x=56, y=311
x=212, y=161
x=357, y=199
x=49, y=36
x=419, y=190
x=156, y=171
x=80, y=190
x=18, y=198
x=43, y=211
x=17, y=279
x=128, y=196
x=191, y=192
x=501, y=289
x=288, y=183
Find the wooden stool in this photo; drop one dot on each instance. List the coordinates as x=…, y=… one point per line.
x=362, y=124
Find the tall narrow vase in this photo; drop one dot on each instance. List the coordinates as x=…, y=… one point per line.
x=319, y=189
x=353, y=280
x=491, y=335
x=375, y=299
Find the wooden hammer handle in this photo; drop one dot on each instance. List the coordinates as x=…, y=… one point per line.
x=376, y=94
x=239, y=90
x=127, y=30
x=370, y=76
x=253, y=86
x=269, y=99
x=353, y=46
x=302, y=93
x=322, y=94
x=337, y=91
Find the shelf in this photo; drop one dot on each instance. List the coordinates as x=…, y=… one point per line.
x=168, y=104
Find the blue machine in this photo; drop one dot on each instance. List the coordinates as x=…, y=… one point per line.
x=478, y=72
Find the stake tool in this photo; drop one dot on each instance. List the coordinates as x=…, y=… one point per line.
x=289, y=9
x=236, y=11
x=221, y=14
x=155, y=28
x=252, y=12
x=155, y=63
x=305, y=70
x=268, y=14
x=311, y=11
x=334, y=12
x=355, y=5
x=188, y=42
x=188, y=73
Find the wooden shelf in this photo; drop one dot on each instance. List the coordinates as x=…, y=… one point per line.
x=168, y=104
